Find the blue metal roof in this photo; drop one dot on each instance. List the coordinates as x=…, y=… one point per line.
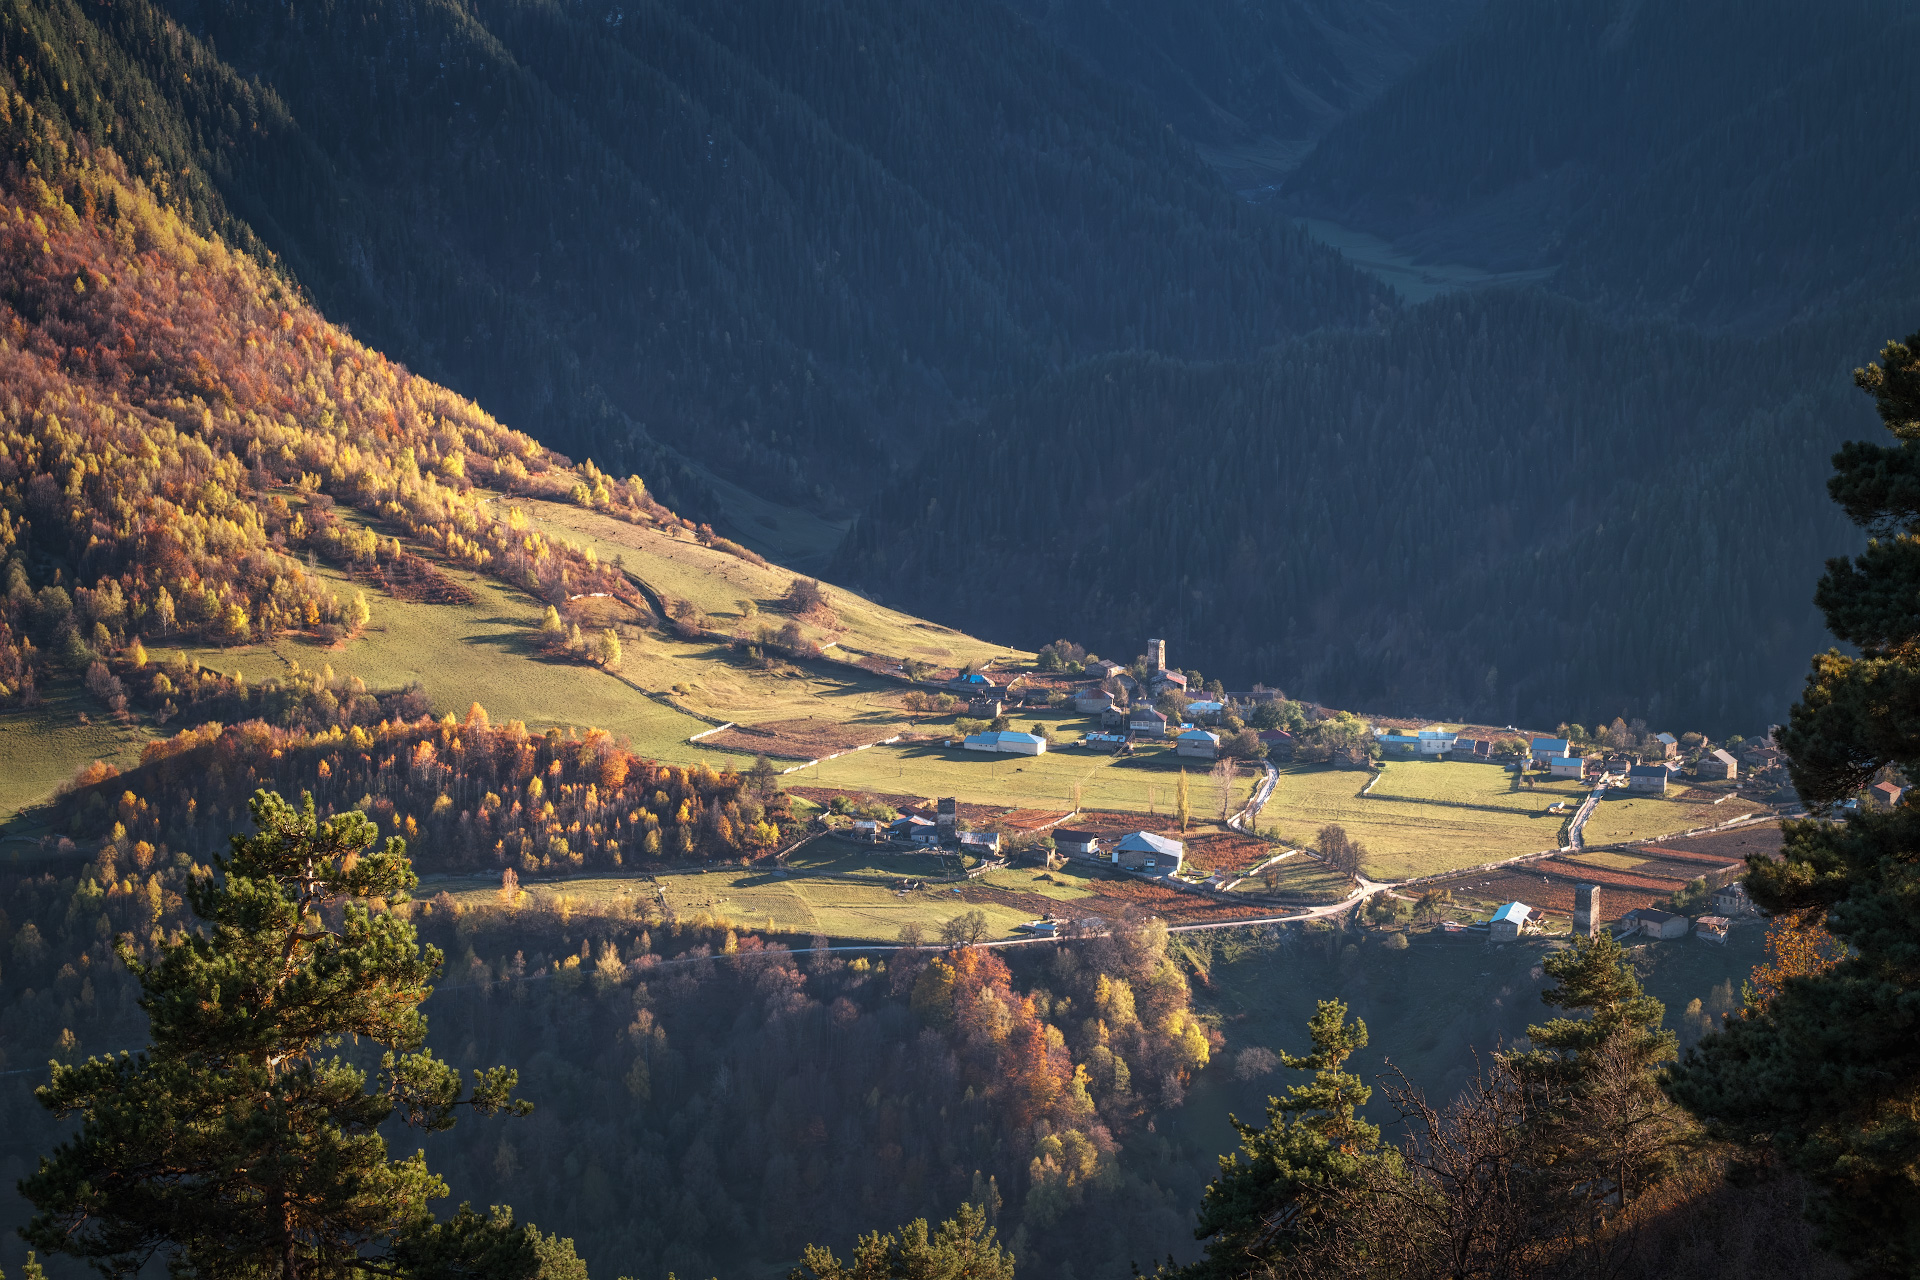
x=1518, y=912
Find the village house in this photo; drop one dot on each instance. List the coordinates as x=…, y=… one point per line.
x=1145, y=722
x=1197, y=743
x=975, y=681
x=1104, y=669
x=1019, y=744
x=1712, y=928
x=1659, y=924
x=868, y=829
x=1145, y=851
x=981, y=843
x=1161, y=681
x=1648, y=777
x=1279, y=743
x=915, y=829
x=1567, y=766
x=1717, y=763
x=987, y=708
x=1092, y=700
x=1076, y=844
x=1202, y=711
x=1509, y=922
x=1732, y=900
x=1472, y=749
x=1667, y=743
x=1544, y=749
x=1882, y=797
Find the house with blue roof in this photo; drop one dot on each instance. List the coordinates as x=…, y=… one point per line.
x=1510, y=921
x=1544, y=749
x=1567, y=766
x=1197, y=743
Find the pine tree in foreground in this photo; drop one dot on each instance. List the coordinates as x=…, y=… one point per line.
x=242, y=1143
x=963, y=1248
x=1825, y=1074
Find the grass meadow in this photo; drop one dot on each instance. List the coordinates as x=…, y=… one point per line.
x=1422, y=816
x=1624, y=817
x=721, y=584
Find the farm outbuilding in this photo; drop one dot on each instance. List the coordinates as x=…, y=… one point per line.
x=1883, y=797
x=1019, y=744
x=1509, y=922
x=1076, y=844
x=1145, y=851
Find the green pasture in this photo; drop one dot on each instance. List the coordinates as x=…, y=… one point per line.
x=41, y=747
x=1624, y=816
x=481, y=652
x=1146, y=782
x=1423, y=816
x=1300, y=875
x=720, y=584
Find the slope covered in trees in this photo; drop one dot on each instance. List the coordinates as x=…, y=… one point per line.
x=1224, y=73
x=765, y=236
x=1497, y=509
x=180, y=427
x=1722, y=163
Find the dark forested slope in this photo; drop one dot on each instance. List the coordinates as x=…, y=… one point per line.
x=1224, y=72
x=1499, y=508
x=782, y=240
x=1724, y=163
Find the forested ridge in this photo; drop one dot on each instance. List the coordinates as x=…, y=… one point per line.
x=1575, y=519
x=1720, y=163
x=766, y=238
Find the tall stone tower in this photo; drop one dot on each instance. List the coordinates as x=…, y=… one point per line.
x=947, y=822
x=1586, y=910
x=1157, y=655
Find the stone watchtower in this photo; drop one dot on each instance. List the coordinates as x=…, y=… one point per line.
x=1586, y=910
x=1156, y=655
x=947, y=822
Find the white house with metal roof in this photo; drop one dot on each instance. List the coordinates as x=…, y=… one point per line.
x=1019, y=744
x=1145, y=851
x=1510, y=921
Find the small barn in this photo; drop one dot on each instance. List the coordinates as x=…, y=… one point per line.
x=1882, y=797
x=1666, y=744
x=1510, y=921
x=867, y=829
x=1076, y=843
x=976, y=683
x=1279, y=743
x=1718, y=763
x=1651, y=778
x=1712, y=928
x=1145, y=851
x=1197, y=743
